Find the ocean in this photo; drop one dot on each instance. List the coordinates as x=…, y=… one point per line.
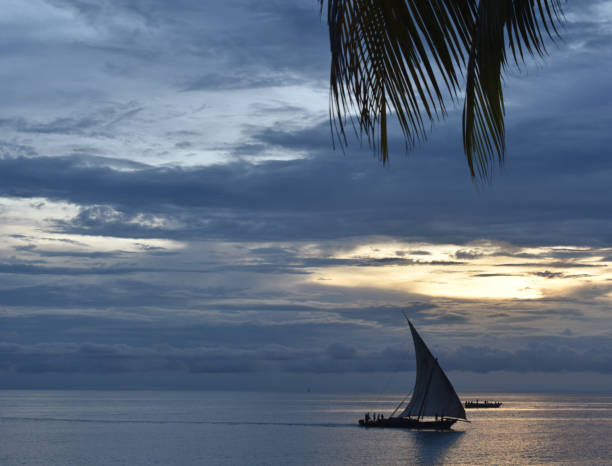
x=64, y=428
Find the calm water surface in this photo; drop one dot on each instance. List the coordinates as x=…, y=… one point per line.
x=54, y=428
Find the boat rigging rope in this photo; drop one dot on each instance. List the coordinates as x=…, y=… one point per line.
x=400, y=403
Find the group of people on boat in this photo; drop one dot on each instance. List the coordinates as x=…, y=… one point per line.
x=374, y=417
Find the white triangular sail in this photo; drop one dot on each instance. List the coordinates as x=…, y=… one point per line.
x=433, y=394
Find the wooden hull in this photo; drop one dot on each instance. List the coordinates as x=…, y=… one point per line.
x=406, y=423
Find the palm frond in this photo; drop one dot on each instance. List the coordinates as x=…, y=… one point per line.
x=520, y=26
x=409, y=56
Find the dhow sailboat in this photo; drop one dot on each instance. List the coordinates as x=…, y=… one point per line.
x=434, y=403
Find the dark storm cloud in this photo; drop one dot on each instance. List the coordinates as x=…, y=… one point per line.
x=423, y=313
x=247, y=43
x=329, y=196
x=528, y=316
x=564, y=254
x=537, y=357
x=241, y=326
x=468, y=254
x=557, y=264
x=28, y=269
x=93, y=358
x=548, y=274
x=76, y=343
x=513, y=253
x=119, y=290
x=83, y=254
x=223, y=324
x=369, y=262
x=418, y=253
x=337, y=357
x=78, y=295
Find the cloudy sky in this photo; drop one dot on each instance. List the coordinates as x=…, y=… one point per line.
x=173, y=214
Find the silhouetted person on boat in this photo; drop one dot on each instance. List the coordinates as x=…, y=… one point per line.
x=367, y=417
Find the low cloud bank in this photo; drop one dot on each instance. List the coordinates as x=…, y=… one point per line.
x=336, y=358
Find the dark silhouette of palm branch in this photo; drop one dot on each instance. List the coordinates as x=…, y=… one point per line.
x=410, y=57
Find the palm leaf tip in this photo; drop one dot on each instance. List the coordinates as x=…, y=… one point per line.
x=409, y=57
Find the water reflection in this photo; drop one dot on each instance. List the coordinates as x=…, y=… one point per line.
x=432, y=447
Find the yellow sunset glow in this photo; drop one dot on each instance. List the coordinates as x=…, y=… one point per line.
x=481, y=271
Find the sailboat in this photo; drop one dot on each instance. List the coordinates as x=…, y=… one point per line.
x=434, y=403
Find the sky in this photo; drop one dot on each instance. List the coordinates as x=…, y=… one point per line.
x=173, y=213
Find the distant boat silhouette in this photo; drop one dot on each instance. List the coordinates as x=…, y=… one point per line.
x=482, y=404
x=433, y=396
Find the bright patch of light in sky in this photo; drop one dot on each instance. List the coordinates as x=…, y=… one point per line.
x=478, y=271
x=27, y=224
